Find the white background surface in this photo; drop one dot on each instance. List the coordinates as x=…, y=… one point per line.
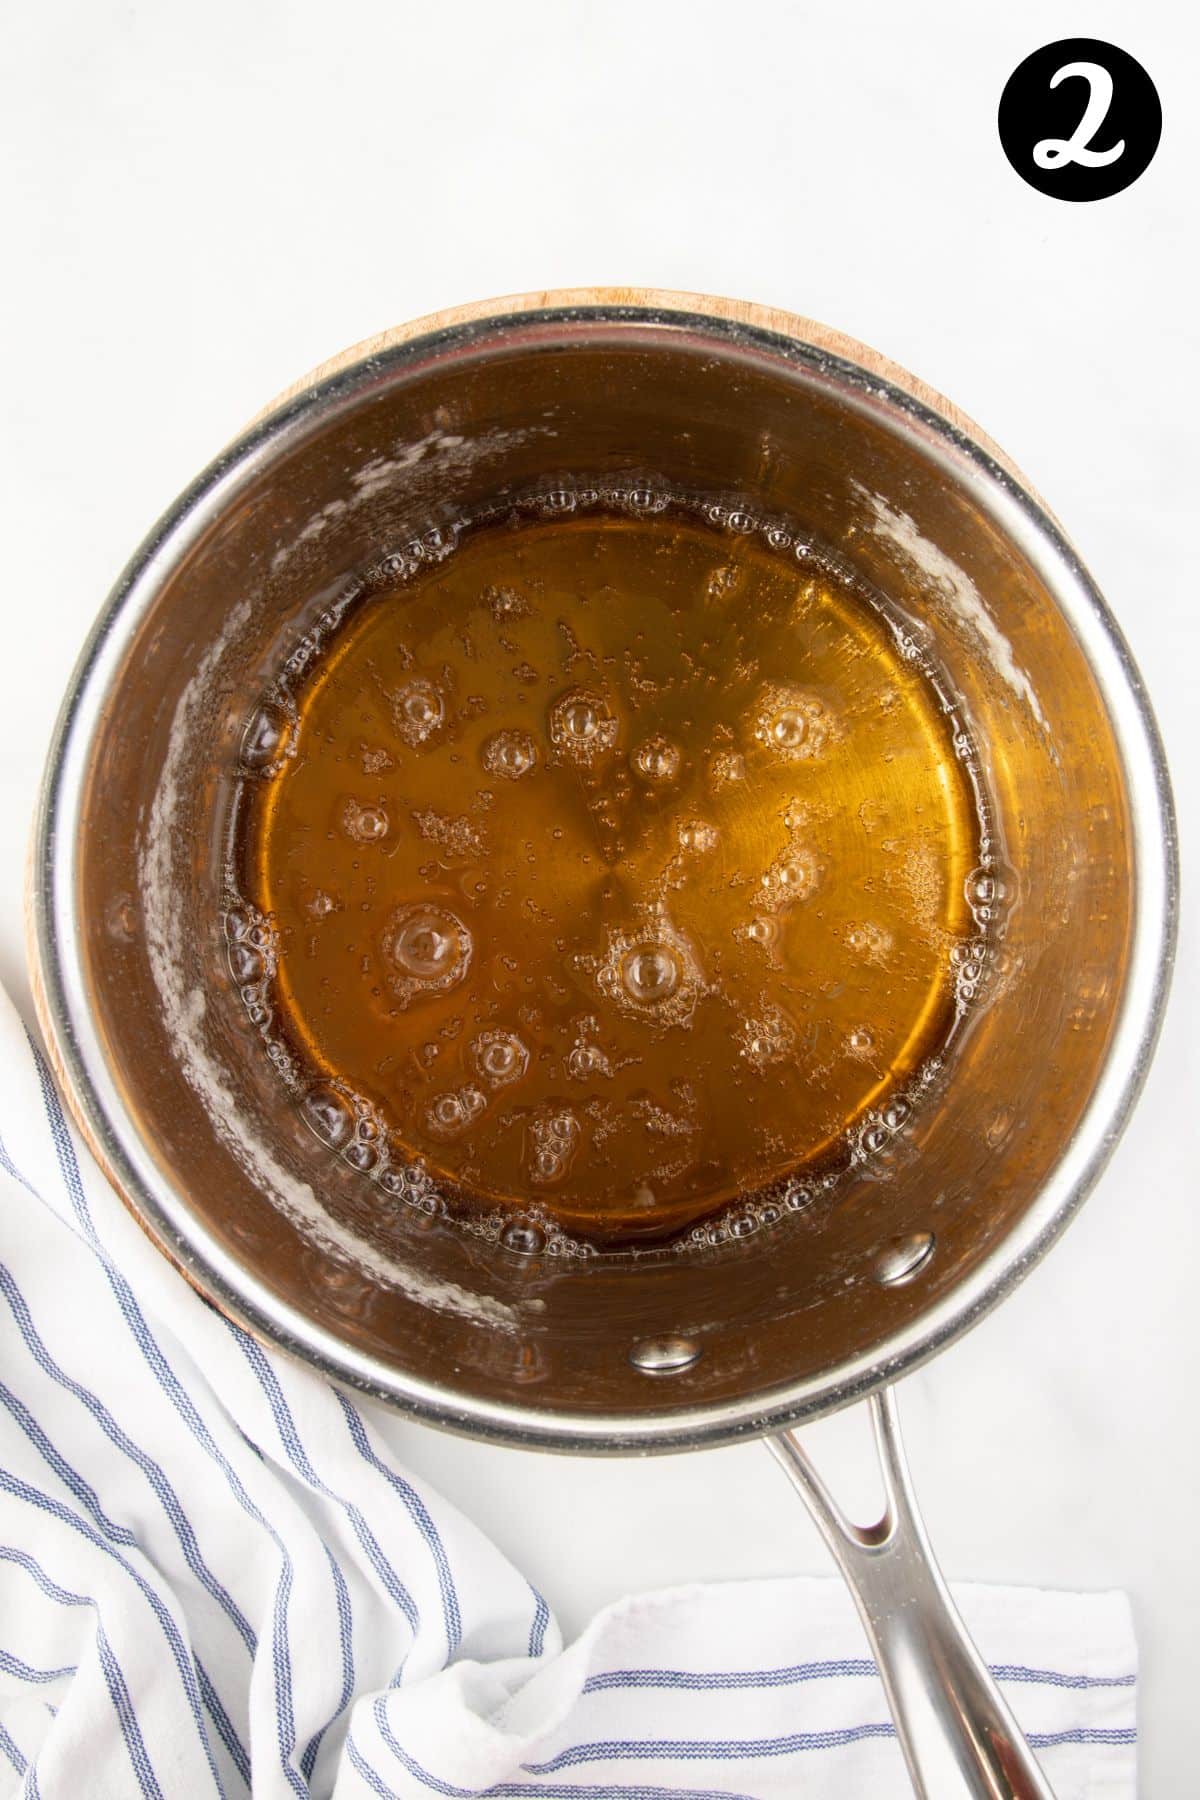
x=204, y=201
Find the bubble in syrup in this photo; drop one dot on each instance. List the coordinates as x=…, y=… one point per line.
x=252, y=952
x=645, y=500
x=361, y=1155
x=787, y=730
x=868, y=940
x=657, y=760
x=506, y=603
x=418, y=710
x=437, y=542
x=456, y=835
x=726, y=767
x=860, y=1042
x=328, y=1114
x=526, y=1238
x=552, y=1138
x=411, y=1183
x=769, y=1038
x=500, y=1057
x=763, y=931
x=510, y=754
x=586, y=1060
x=427, y=949
x=245, y=963
x=453, y=1112
x=582, y=725
x=650, y=973
x=792, y=722
x=698, y=837
x=267, y=739
x=791, y=877
x=988, y=890
x=873, y=1137
x=365, y=824
x=968, y=962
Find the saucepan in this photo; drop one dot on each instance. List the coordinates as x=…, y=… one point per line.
x=752, y=1333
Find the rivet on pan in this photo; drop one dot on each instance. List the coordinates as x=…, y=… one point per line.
x=904, y=1258
x=664, y=1355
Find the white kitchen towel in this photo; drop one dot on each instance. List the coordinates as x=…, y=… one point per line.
x=215, y=1579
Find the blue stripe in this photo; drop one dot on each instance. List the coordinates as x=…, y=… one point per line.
x=537, y=1631
x=9, y=1747
x=1083, y=1734
x=21, y=1490
x=720, y=1750
x=131, y=1731
x=224, y=1724
x=705, y=1680
x=167, y=1380
x=285, y=1713
x=707, y=1749
x=49, y=1587
x=13, y=1665
x=70, y=1477
x=31, y=1790
x=1055, y=1678
x=362, y=1767
x=518, y=1790
x=419, y=1512
x=152, y=1470
x=10, y=1167
x=298, y=1455
x=346, y=1637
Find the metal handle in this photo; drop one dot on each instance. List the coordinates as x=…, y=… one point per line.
x=957, y=1734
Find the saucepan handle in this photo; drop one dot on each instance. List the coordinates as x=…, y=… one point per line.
x=958, y=1737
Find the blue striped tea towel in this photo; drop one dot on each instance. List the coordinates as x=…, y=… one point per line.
x=215, y=1579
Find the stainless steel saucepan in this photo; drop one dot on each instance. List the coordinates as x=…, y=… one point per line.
x=745, y=1338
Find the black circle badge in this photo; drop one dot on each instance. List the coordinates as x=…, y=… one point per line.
x=1080, y=119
